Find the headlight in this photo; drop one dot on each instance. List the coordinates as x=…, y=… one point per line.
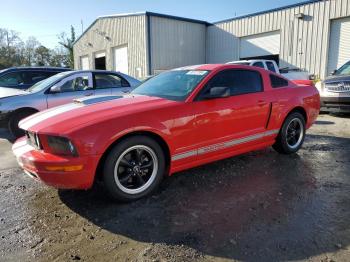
x=61, y=146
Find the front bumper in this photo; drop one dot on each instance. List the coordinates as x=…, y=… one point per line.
x=36, y=164
x=335, y=104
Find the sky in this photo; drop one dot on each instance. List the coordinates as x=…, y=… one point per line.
x=45, y=19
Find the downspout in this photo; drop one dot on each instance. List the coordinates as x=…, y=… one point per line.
x=149, y=44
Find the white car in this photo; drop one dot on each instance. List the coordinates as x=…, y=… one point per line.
x=271, y=65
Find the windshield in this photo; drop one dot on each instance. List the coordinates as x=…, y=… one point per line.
x=47, y=82
x=173, y=85
x=344, y=70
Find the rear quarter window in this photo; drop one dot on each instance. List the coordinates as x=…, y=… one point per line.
x=278, y=82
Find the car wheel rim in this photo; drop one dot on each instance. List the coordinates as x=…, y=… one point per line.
x=136, y=169
x=295, y=133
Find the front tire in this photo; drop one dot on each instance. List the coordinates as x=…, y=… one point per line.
x=292, y=134
x=134, y=168
x=14, y=121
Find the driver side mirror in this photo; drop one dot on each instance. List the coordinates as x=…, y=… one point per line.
x=333, y=72
x=55, y=89
x=217, y=92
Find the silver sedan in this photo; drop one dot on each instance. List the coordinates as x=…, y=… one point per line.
x=59, y=89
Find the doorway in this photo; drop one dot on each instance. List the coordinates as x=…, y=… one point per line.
x=100, y=61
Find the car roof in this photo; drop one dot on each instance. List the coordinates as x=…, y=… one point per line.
x=97, y=71
x=209, y=67
x=41, y=68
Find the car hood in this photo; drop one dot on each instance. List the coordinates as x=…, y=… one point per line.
x=64, y=119
x=337, y=78
x=7, y=92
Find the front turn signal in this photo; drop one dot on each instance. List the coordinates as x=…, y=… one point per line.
x=64, y=168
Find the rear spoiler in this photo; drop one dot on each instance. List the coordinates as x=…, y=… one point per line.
x=303, y=82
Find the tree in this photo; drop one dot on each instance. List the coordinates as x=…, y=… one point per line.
x=10, y=46
x=59, y=57
x=30, y=50
x=67, y=43
x=42, y=56
x=15, y=52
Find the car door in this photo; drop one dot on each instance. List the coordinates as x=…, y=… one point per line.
x=233, y=120
x=110, y=84
x=71, y=87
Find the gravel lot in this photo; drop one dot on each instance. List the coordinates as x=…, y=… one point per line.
x=260, y=206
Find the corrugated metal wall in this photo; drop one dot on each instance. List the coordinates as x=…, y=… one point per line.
x=304, y=42
x=108, y=33
x=176, y=43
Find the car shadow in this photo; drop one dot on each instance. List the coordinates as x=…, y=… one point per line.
x=321, y=122
x=260, y=206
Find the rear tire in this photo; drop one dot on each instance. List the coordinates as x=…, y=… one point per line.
x=134, y=168
x=292, y=134
x=15, y=119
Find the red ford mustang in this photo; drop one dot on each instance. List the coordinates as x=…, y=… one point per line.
x=177, y=120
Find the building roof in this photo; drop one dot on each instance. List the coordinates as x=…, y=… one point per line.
x=268, y=11
x=147, y=13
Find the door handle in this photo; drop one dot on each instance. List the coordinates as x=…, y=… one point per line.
x=89, y=94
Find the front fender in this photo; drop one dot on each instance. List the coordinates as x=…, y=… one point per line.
x=96, y=138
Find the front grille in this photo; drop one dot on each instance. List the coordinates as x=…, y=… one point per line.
x=342, y=86
x=33, y=140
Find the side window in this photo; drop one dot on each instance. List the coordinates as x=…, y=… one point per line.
x=271, y=66
x=259, y=64
x=78, y=83
x=277, y=82
x=35, y=77
x=107, y=81
x=239, y=81
x=11, y=79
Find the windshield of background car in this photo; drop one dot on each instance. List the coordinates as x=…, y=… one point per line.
x=344, y=70
x=173, y=85
x=47, y=82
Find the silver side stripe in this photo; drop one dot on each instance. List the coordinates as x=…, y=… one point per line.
x=219, y=146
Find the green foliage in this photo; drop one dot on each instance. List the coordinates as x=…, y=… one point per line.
x=15, y=52
x=67, y=42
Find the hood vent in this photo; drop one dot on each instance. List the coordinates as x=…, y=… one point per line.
x=95, y=99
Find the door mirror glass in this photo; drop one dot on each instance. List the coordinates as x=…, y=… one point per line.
x=217, y=92
x=55, y=89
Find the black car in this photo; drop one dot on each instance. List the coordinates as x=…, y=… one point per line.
x=335, y=91
x=25, y=77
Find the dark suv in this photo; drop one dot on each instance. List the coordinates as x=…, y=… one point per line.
x=335, y=91
x=25, y=77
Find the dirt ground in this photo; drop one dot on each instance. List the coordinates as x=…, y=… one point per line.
x=260, y=206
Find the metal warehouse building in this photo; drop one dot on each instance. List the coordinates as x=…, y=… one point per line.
x=312, y=35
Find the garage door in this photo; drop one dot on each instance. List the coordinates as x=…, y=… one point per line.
x=339, y=44
x=121, y=59
x=84, y=63
x=260, y=45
